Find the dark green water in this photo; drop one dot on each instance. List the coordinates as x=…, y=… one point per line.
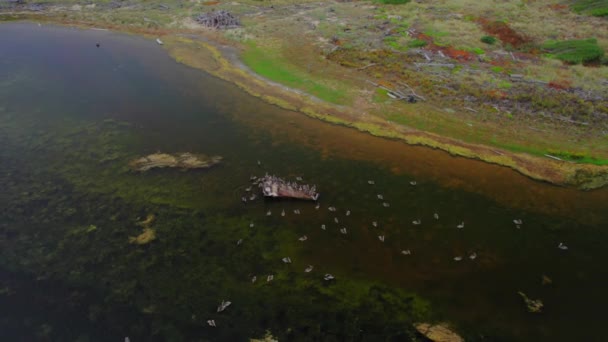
x=71, y=118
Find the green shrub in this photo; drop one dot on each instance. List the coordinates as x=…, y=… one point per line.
x=574, y=51
x=488, y=40
x=598, y=8
x=417, y=43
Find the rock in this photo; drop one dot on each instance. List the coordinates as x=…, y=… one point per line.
x=179, y=160
x=438, y=332
x=533, y=305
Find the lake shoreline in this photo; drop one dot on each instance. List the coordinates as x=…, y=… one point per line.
x=209, y=52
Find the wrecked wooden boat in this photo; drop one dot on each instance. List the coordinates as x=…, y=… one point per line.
x=273, y=186
x=182, y=161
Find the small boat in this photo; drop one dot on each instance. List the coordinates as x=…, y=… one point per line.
x=458, y=258
x=380, y=197
x=286, y=260
x=375, y=224
x=371, y=182
x=461, y=225
x=413, y=183
x=323, y=227
x=436, y=216
x=251, y=225
x=386, y=204
x=406, y=252
x=381, y=238
x=238, y=243
x=562, y=246
x=417, y=222
x=308, y=269
x=269, y=278
x=336, y=220
x=348, y=213
x=223, y=305
x=211, y=323
x=160, y=42
x=343, y=231
x=268, y=213
x=328, y=277
x=518, y=222
x=253, y=279
x=303, y=238
x=473, y=256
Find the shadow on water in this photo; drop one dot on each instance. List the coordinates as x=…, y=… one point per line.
x=73, y=115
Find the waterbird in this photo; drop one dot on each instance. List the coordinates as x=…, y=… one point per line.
x=317, y=206
x=386, y=204
x=562, y=246
x=95, y=44
x=303, y=238
x=348, y=213
x=283, y=212
x=323, y=226
x=473, y=256
x=458, y=258
x=299, y=179
x=296, y=211
x=223, y=305
x=518, y=222
x=251, y=225
x=371, y=182
x=253, y=197
x=336, y=220
x=436, y=216
x=160, y=42
x=308, y=269
x=380, y=197
x=259, y=163
x=517, y=226
x=328, y=277
x=406, y=252
x=375, y=224
x=253, y=279
x=252, y=178
x=343, y=231
x=286, y=260
x=269, y=278
x=244, y=199
x=417, y=222
x=268, y=213
x=461, y=225
x=413, y=183
x=381, y=238
x=238, y=243
x=211, y=323
x=248, y=189
x=332, y=209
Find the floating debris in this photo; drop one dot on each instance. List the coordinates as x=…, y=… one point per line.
x=371, y=182
x=386, y=205
x=332, y=209
x=461, y=225
x=413, y=183
x=269, y=278
x=286, y=260
x=323, y=227
x=458, y=258
x=518, y=222
x=473, y=256
x=380, y=197
x=223, y=305
x=179, y=160
x=303, y=238
x=254, y=279
x=268, y=213
x=562, y=246
x=308, y=269
x=381, y=238
x=343, y=231
x=375, y=224
x=273, y=186
x=329, y=277
x=211, y=323
x=160, y=42
x=239, y=242
x=436, y=216
x=417, y=222
x=533, y=305
x=348, y=213
x=406, y=252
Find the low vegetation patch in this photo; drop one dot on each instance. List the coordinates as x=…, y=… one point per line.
x=574, y=51
x=598, y=8
x=393, y=2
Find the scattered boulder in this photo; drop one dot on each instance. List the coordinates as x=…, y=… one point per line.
x=180, y=160
x=438, y=332
x=218, y=20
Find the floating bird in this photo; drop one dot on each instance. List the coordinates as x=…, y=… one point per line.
x=299, y=179
x=283, y=212
x=562, y=246
x=386, y=205
x=98, y=45
x=458, y=258
x=248, y=189
x=160, y=42
x=518, y=222
x=254, y=279
x=296, y=211
x=371, y=182
x=253, y=197
x=252, y=178
x=417, y=222
x=238, y=243
x=211, y=323
x=269, y=278
x=308, y=269
x=380, y=197
x=473, y=256
x=517, y=226
x=251, y=225
x=317, y=206
x=303, y=238
x=286, y=260
x=413, y=183
x=436, y=216
x=332, y=209
x=244, y=199
x=348, y=213
x=223, y=305
x=375, y=224
x=328, y=277
x=461, y=225
x=323, y=226
x=343, y=231
x=381, y=238
x=268, y=213
x=259, y=163
x=406, y=252
x=336, y=220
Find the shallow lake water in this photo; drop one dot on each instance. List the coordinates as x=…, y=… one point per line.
x=72, y=116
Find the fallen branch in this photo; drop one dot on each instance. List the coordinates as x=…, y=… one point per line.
x=367, y=66
x=412, y=90
x=553, y=157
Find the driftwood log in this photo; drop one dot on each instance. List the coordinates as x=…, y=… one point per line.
x=218, y=20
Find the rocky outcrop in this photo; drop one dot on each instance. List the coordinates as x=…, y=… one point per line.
x=438, y=332
x=179, y=160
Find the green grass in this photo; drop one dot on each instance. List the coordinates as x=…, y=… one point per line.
x=417, y=43
x=272, y=66
x=574, y=51
x=488, y=40
x=598, y=8
x=393, y=2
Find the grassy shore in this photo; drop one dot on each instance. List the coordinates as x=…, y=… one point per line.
x=510, y=102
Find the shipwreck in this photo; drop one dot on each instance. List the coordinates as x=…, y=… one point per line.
x=273, y=186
